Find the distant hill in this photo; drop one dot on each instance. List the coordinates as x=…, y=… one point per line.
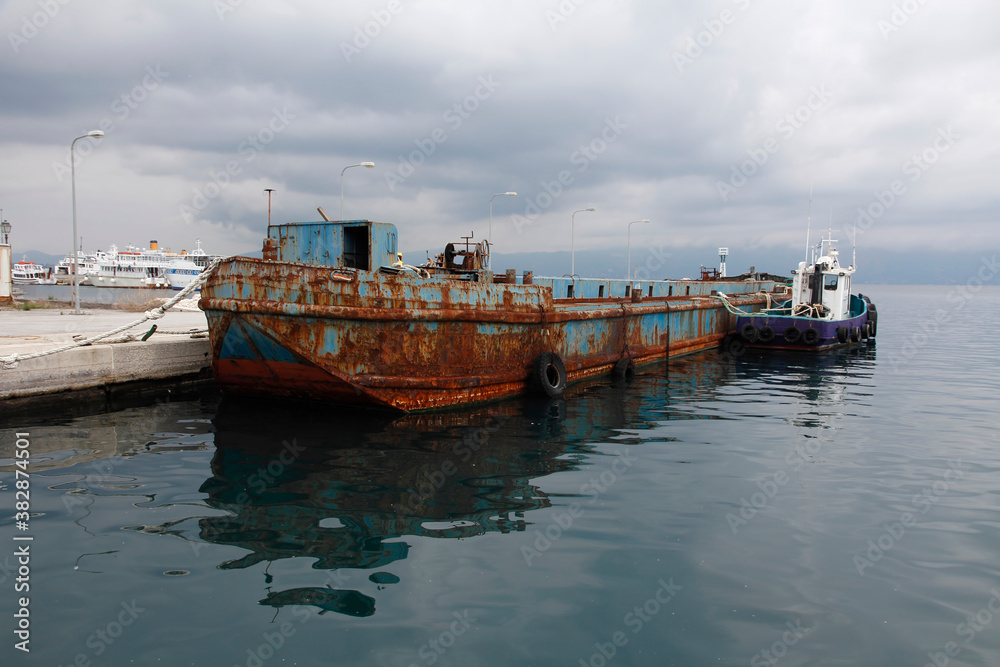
x=37, y=257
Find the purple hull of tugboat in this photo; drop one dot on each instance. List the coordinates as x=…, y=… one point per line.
x=861, y=327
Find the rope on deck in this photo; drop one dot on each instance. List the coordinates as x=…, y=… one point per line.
x=724, y=298
x=11, y=362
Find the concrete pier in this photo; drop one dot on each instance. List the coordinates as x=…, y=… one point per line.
x=101, y=365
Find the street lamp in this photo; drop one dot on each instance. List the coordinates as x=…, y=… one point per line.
x=6, y=262
x=490, y=237
x=628, y=269
x=366, y=165
x=93, y=134
x=268, y=191
x=572, y=236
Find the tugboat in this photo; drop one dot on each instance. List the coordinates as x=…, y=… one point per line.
x=821, y=313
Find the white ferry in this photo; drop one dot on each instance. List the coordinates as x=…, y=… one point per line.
x=29, y=273
x=132, y=267
x=137, y=267
x=63, y=271
x=181, y=272
x=185, y=267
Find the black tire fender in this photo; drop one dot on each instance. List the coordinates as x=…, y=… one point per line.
x=624, y=370
x=810, y=336
x=549, y=374
x=792, y=335
x=749, y=333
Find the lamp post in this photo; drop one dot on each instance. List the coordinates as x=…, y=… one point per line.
x=94, y=134
x=572, y=241
x=6, y=265
x=490, y=237
x=628, y=269
x=268, y=191
x=366, y=165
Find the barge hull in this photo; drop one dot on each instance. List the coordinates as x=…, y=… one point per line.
x=412, y=343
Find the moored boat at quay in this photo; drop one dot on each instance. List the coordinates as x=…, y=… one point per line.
x=180, y=273
x=331, y=313
x=820, y=313
x=132, y=267
x=152, y=267
x=63, y=270
x=181, y=270
x=29, y=273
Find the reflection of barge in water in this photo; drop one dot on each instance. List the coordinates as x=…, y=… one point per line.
x=330, y=313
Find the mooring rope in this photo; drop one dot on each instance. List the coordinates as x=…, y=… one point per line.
x=768, y=310
x=7, y=363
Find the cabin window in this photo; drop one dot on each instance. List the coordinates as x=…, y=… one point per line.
x=670, y=291
x=569, y=291
x=628, y=290
x=830, y=283
x=650, y=290
x=687, y=290
x=356, y=248
x=600, y=291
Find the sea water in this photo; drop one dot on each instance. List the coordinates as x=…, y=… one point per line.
x=762, y=509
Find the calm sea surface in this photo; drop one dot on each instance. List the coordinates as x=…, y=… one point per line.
x=796, y=510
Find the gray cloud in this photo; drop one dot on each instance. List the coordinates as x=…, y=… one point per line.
x=702, y=93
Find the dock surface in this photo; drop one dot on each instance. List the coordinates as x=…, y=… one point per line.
x=163, y=356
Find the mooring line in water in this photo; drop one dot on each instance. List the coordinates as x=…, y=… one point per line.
x=11, y=362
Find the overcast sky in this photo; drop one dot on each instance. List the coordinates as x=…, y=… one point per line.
x=711, y=119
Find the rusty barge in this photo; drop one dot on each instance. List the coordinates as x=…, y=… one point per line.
x=331, y=313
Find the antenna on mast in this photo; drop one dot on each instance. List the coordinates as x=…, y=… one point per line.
x=809, y=221
x=854, y=249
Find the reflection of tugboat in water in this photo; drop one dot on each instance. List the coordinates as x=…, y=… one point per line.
x=821, y=313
